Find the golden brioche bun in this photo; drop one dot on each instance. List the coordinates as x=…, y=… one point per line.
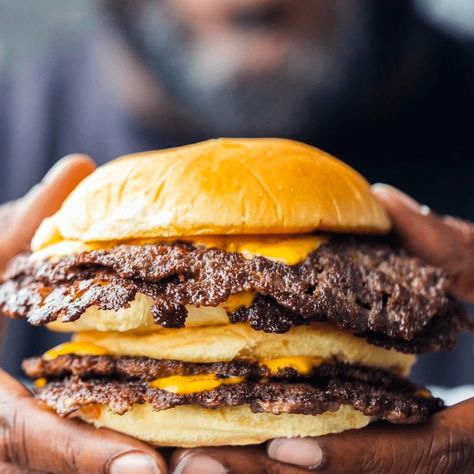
x=218, y=187
x=191, y=426
x=240, y=341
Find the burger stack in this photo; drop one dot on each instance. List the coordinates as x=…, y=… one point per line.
x=229, y=292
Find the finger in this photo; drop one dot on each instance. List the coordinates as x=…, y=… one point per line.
x=443, y=241
x=36, y=439
x=443, y=445
x=251, y=460
x=7, y=468
x=46, y=198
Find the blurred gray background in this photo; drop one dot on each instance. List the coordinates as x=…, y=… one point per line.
x=26, y=26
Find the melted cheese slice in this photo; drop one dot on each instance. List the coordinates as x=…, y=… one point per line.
x=40, y=383
x=239, y=300
x=182, y=384
x=289, y=250
x=77, y=348
x=423, y=393
x=303, y=365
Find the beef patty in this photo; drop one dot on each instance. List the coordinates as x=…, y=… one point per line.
x=145, y=368
x=364, y=285
x=122, y=381
x=396, y=406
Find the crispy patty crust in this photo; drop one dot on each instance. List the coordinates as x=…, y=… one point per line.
x=144, y=368
x=396, y=406
x=361, y=284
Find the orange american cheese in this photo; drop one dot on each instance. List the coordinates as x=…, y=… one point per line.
x=78, y=348
x=303, y=365
x=237, y=300
x=181, y=384
x=287, y=249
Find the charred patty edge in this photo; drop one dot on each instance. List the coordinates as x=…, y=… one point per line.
x=363, y=285
x=71, y=394
x=143, y=368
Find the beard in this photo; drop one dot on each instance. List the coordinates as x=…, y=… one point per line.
x=304, y=93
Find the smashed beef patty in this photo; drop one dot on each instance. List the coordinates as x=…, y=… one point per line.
x=147, y=369
x=360, y=284
x=396, y=406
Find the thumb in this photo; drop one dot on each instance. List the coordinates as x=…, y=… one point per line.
x=36, y=439
x=46, y=198
x=20, y=219
x=443, y=241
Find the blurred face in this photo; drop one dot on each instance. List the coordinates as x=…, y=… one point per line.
x=249, y=67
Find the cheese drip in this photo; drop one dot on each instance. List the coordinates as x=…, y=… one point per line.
x=423, y=393
x=290, y=250
x=78, y=348
x=40, y=383
x=236, y=301
x=303, y=365
x=181, y=384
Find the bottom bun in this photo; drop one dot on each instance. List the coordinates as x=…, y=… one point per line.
x=192, y=426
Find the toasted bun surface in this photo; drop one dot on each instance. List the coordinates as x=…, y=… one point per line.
x=191, y=426
x=218, y=187
x=240, y=341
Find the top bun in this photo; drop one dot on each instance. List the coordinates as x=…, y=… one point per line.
x=217, y=187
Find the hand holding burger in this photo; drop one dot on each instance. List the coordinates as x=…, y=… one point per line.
x=103, y=382
x=32, y=439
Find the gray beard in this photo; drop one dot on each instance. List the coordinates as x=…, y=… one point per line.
x=304, y=93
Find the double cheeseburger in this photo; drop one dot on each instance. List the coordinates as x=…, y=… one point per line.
x=229, y=292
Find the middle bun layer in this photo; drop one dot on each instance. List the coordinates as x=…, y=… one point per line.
x=240, y=341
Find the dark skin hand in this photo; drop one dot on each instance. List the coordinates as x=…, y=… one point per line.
x=32, y=438
x=20, y=219
x=444, y=445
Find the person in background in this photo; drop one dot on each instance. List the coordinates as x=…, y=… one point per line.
x=367, y=80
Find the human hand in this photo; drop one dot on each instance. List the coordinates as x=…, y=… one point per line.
x=444, y=241
x=35, y=439
x=19, y=219
x=443, y=445
x=32, y=438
